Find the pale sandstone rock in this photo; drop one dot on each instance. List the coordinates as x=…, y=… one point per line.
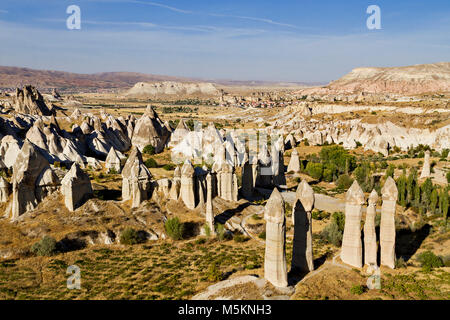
x=370, y=237
x=290, y=142
x=179, y=134
x=32, y=179
x=426, y=171
x=387, y=224
x=76, y=187
x=302, y=255
x=136, y=179
x=4, y=190
x=113, y=161
x=30, y=101
x=150, y=130
x=275, y=269
x=187, y=188
x=227, y=180
x=174, y=193
x=351, y=242
x=294, y=163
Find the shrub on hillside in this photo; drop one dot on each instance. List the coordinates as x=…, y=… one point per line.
x=169, y=167
x=174, y=228
x=222, y=233
x=358, y=290
x=149, y=149
x=332, y=234
x=428, y=260
x=130, y=236
x=151, y=163
x=46, y=247
x=339, y=219
x=214, y=274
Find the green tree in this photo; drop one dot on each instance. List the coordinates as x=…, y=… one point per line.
x=344, y=182
x=416, y=195
x=433, y=200
x=401, y=186
x=315, y=170
x=443, y=203
x=427, y=189
x=410, y=184
x=364, y=177
x=390, y=171
x=341, y=160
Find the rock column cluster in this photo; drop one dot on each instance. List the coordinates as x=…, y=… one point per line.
x=352, y=245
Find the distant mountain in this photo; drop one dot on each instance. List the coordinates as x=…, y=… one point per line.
x=44, y=80
x=417, y=79
x=13, y=77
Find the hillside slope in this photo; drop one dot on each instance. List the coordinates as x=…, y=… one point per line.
x=417, y=79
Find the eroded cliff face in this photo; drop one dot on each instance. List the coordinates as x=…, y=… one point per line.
x=170, y=88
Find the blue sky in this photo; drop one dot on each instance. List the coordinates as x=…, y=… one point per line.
x=292, y=40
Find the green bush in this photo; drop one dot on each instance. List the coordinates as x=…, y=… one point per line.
x=129, y=236
x=445, y=153
x=149, y=149
x=315, y=170
x=448, y=177
x=151, y=163
x=337, y=159
x=339, y=219
x=390, y=171
x=344, y=182
x=169, y=167
x=428, y=260
x=222, y=233
x=174, y=228
x=332, y=234
x=207, y=230
x=240, y=238
x=46, y=247
x=214, y=273
x=358, y=290
x=400, y=263
x=262, y=235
